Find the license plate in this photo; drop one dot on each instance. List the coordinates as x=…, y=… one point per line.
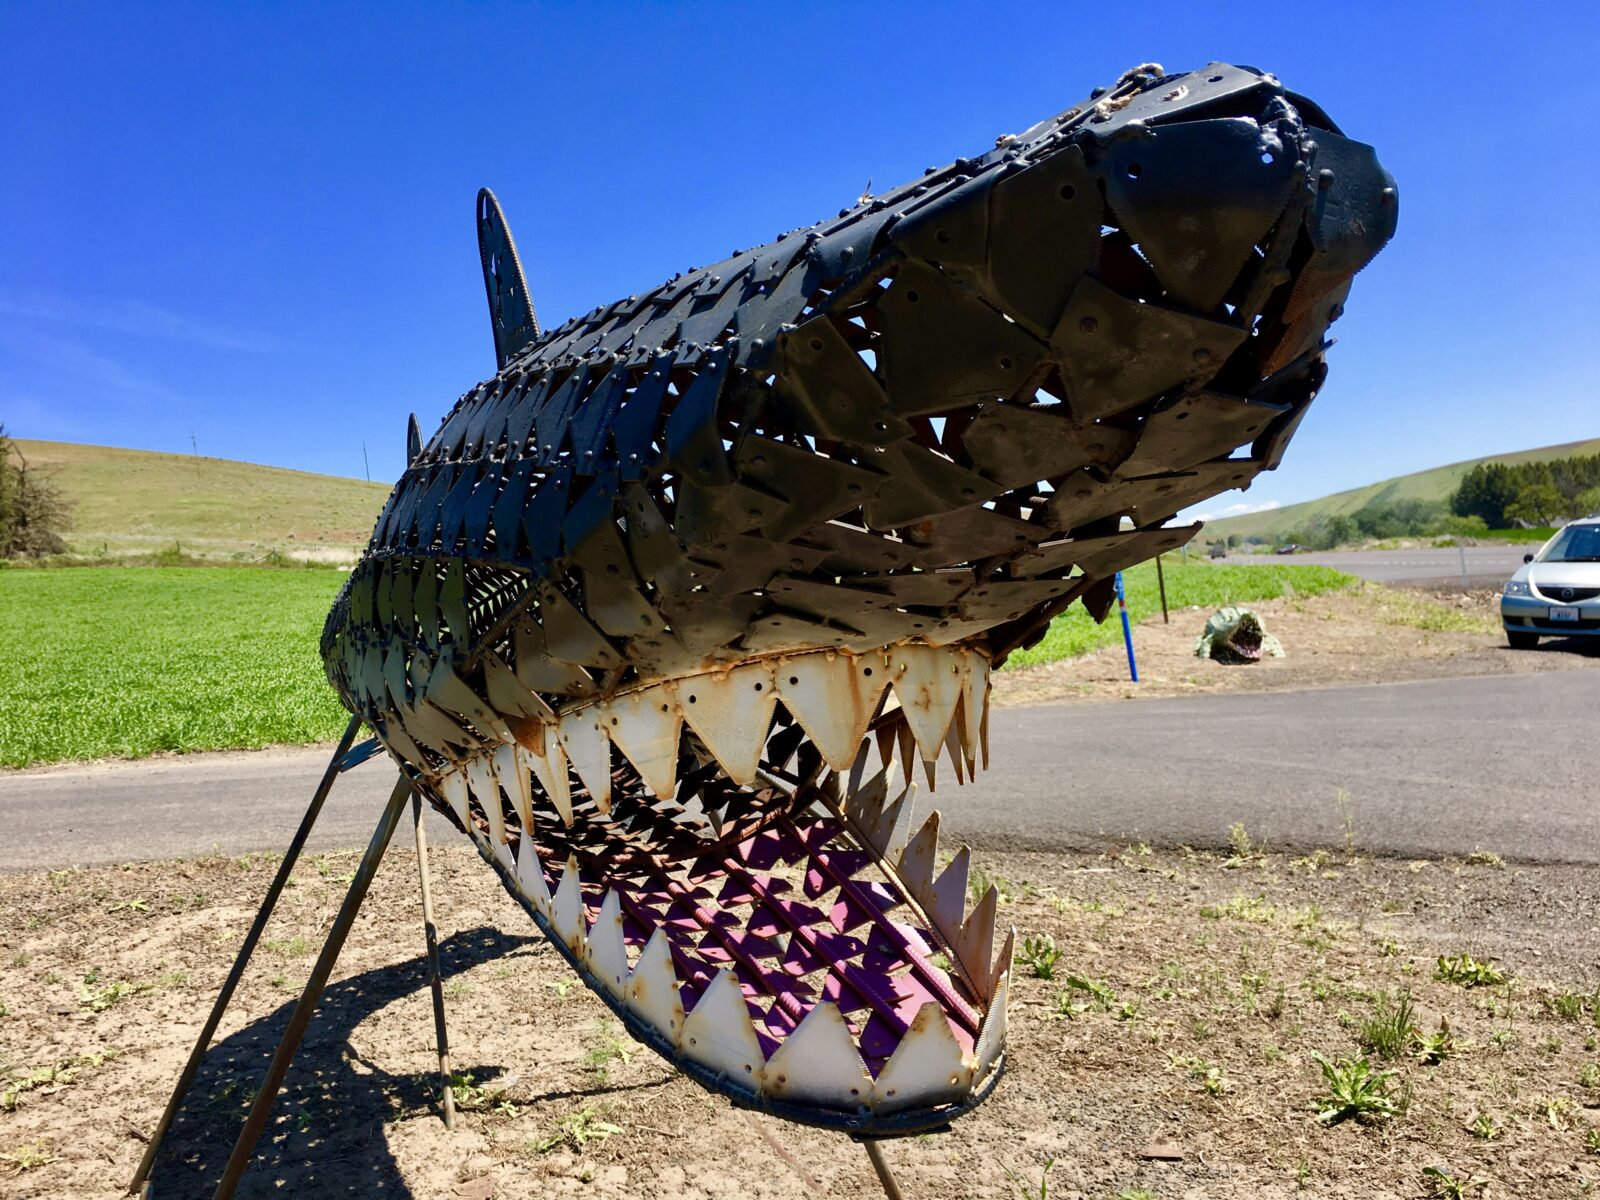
x=1563, y=613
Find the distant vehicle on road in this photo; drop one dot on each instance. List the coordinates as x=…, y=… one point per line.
x=1557, y=591
x=1290, y=548
x=1219, y=550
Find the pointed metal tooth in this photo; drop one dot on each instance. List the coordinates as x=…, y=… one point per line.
x=652, y=991
x=502, y=855
x=926, y=1068
x=919, y=859
x=566, y=908
x=551, y=767
x=893, y=825
x=453, y=786
x=645, y=725
x=1002, y=961
x=983, y=734
x=731, y=713
x=819, y=1064
x=928, y=682
x=992, y=1036
x=607, y=952
x=718, y=1033
x=583, y=734
x=950, y=894
x=506, y=693
x=952, y=744
x=511, y=768
x=450, y=692
x=864, y=805
x=975, y=944
x=530, y=878
x=975, y=708
x=834, y=697
x=480, y=776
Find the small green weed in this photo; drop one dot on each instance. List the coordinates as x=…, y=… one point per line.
x=1040, y=954
x=1027, y=1189
x=1354, y=1090
x=1446, y=1186
x=1253, y=909
x=1392, y=1028
x=577, y=1131
x=26, y=1157
x=1468, y=971
x=1434, y=1048
x=102, y=999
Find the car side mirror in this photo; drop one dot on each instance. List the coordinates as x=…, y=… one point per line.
x=1527, y=558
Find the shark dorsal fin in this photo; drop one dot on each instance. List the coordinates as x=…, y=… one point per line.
x=511, y=311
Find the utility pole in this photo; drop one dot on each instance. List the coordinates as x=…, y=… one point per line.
x=366, y=466
x=193, y=444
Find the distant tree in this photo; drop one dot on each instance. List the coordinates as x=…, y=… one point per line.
x=1587, y=502
x=1484, y=492
x=33, y=512
x=1537, y=505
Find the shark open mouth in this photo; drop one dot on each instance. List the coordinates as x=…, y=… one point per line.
x=678, y=613
x=791, y=934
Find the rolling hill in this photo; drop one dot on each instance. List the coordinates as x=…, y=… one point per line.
x=1434, y=484
x=133, y=502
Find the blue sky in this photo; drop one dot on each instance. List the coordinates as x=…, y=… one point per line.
x=252, y=224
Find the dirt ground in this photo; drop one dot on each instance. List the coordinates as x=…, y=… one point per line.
x=1170, y=1056
x=1365, y=634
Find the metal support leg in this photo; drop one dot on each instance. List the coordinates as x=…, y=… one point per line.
x=242, y=960
x=448, y=1096
x=301, y=1017
x=891, y=1189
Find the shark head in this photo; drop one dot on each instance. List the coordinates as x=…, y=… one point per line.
x=681, y=612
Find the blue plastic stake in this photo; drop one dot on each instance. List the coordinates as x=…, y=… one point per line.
x=1127, y=630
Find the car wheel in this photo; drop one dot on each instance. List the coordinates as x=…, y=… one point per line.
x=1520, y=640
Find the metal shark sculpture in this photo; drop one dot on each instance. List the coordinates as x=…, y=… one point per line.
x=674, y=614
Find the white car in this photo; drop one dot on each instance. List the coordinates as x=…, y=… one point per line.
x=1557, y=591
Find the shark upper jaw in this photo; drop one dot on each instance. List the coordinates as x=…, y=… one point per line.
x=744, y=884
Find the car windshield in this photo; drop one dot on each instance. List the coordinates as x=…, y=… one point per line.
x=1575, y=543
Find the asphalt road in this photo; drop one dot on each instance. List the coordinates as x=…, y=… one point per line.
x=1502, y=763
x=1487, y=566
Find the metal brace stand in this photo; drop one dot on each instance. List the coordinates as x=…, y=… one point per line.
x=880, y=1164
x=343, y=759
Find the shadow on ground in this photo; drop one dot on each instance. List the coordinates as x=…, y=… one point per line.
x=325, y=1137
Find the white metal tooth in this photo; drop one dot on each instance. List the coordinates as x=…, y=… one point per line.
x=607, y=952
x=918, y=861
x=718, y=1033
x=584, y=737
x=551, y=767
x=506, y=693
x=952, y=744
x=864, y=805
x=566, y=909
x=926, y=1068
x=818, y=1064
x=453, y=785
x=950, y=894
x=834, y=697
x=644, y=725
x=449, y=691
x=893, y=825
x=975, y=708
x=731, y=713
x=530, y=877
x=992, y=1035
x=511, y=768
x=480, y=774
x=928, y=682
x=652, y=989
x=974, y=946
x=1002, y=961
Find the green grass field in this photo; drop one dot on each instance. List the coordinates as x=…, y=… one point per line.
x=1435, y=484
x=126, y=662
x=131, y=661
x=1194, y=582
x=139, y=502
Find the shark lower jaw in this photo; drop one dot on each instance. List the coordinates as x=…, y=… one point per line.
x=744, y=883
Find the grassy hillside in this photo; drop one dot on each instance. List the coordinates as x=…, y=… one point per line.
x=140, y=502
x=1435, y=484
